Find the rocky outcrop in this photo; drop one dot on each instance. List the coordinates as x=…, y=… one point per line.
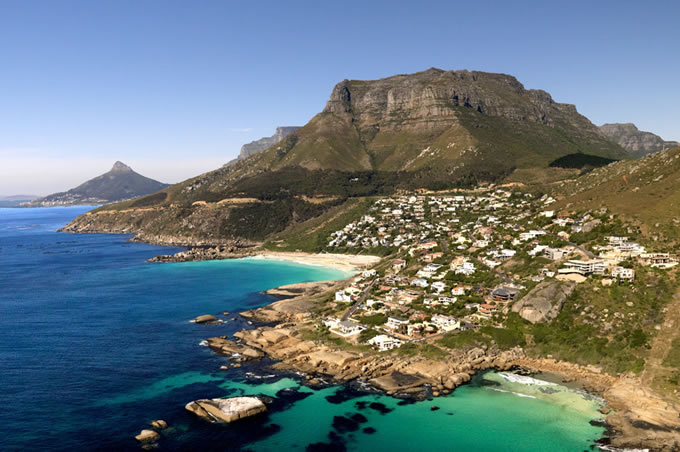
x=207, y=318
x=639, y=143
x=147, y=436
x=226, y=410
x=159, y=424
x=236, y=249
x=297, y=289
x=543, y=302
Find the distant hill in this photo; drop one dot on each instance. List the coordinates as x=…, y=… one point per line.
x=429, y=130
x=19, y=198
x=120, y=183
x=639, y=143
x=15, y=200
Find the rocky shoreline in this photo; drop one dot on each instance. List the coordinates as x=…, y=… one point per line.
x=639, y=419
x=207, y=253
x=636, y=418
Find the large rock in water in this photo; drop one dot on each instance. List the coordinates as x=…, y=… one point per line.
x=147, y=436
x=544, y=302
x=226, y=410
x=207, y=318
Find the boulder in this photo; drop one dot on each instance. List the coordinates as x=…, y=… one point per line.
x=147, y=436
x=205, y=319
x=226, y=410
x=544, y=302
x=160, y=424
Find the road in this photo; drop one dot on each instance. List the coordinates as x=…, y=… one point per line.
x=359, y=301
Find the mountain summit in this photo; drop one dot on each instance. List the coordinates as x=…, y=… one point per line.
x=120, y=167
x=119, y=184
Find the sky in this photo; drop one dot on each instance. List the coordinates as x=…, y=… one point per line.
x=174, y=88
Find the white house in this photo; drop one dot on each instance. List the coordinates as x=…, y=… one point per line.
x=623, y=273
x=595, y=266
x=438, y=287
x=343, y=296
x=395, y=323
x=419, y=282
x=445, y=322
x=346, y=328
x=384, y=342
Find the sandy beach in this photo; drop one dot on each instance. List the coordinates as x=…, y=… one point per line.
x=345, y=262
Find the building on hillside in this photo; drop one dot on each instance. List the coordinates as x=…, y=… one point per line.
x=396, y=324
x=659, y=260
x=398, y=265
x=504, y=294
x=487, y=310
x=384, y=342
x=595, y=266
x=445, y=322
x=627, y=274
x=346, y=328
x=555, y=254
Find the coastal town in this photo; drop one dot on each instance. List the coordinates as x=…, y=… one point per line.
x=464, y=261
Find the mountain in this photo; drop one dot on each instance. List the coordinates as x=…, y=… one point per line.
x=644, y=191
x=263, y=144
x=119, y=184
x=637, y=142
x=434, y=130
x=18, y=198
x=15, y=200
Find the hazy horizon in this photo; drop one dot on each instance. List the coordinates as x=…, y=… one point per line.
x=174, y=90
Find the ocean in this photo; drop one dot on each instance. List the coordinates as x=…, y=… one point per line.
x=95, y=343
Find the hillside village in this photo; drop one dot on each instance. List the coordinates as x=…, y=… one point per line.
x=465, y=261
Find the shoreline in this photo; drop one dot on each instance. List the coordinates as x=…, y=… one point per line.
x=634, y=417
x=641, y=420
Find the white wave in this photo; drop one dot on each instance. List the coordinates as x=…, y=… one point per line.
x=614, y=449
x=514, y=378
x=524, y=395
x=203, y=343
x=516, y=393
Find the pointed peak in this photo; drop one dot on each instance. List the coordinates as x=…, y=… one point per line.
x=120, y=167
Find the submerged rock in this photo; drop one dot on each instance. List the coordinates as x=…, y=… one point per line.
x=226, y=410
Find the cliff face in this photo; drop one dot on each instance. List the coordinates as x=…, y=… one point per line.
x=639, y=143
x=436, y=119
x=262, y=144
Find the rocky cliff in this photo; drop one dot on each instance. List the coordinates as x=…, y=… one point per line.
x=639, y=143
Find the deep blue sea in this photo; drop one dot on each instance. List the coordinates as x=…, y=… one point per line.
x=95, y=343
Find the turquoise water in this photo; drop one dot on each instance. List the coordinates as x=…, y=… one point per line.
x=95, y=343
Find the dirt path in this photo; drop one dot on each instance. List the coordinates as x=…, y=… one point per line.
x=655, y=372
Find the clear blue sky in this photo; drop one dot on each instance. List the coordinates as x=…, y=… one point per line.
x=174, y=88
